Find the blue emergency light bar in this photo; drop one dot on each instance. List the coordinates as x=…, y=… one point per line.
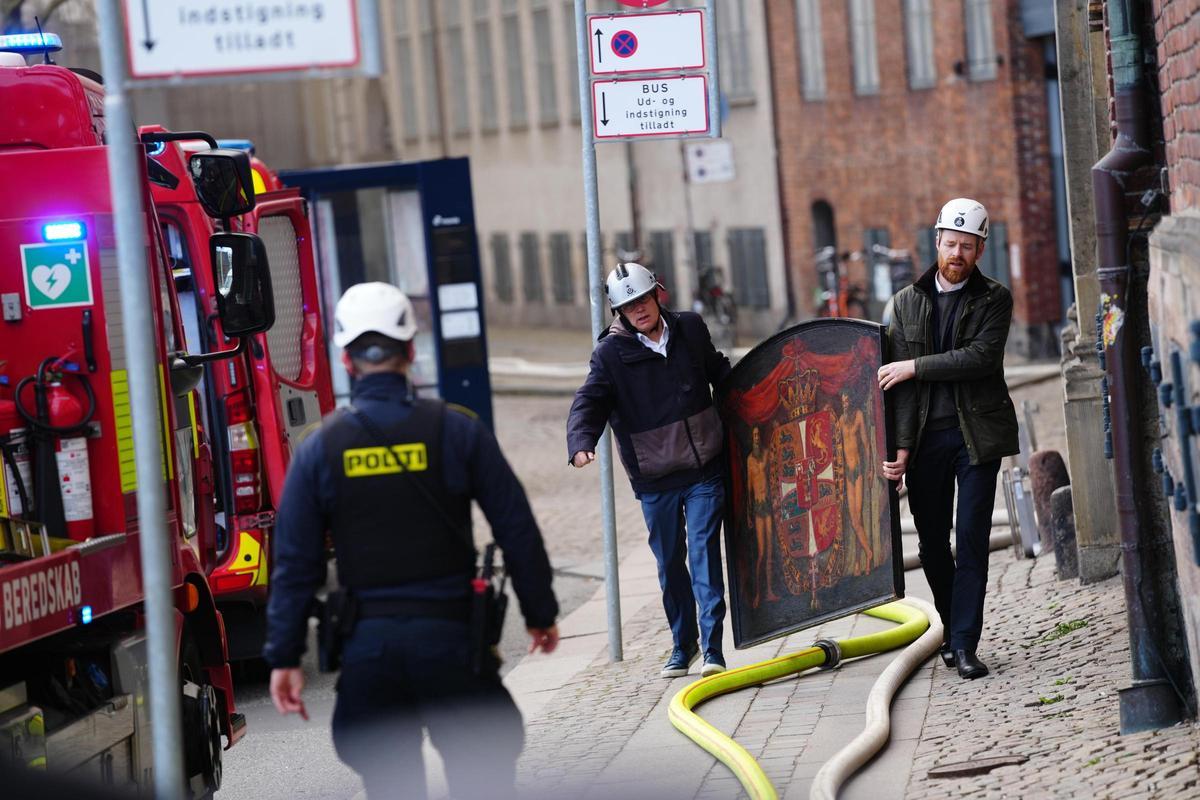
x=85, y=615
x=25, y=43
x=237, y=144
x=63, y=231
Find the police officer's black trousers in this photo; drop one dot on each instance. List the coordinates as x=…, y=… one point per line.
x=958, y=584
x=401, y=676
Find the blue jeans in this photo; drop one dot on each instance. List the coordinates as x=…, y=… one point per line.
x=958, y=584
x=402, y=675
x=698, y=508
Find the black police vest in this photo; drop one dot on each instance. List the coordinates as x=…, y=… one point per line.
x=387, y=531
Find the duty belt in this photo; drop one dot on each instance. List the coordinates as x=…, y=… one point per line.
x=456, y=610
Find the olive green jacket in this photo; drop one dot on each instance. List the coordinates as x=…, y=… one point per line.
x=975, y=366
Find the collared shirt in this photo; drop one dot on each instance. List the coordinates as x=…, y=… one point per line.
x=660, y=346
x=952, y=287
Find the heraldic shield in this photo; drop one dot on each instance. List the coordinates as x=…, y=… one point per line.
x=812, y=530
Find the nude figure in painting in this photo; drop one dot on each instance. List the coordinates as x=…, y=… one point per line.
x=758, y=512
x=856, y=457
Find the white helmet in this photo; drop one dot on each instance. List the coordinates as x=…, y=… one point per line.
x=373, y=308
x=627, y=283
x=964, y=214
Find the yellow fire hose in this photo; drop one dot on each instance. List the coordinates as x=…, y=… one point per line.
x=912, y=623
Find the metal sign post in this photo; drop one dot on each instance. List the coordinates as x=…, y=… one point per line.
x=671, y=106
x=591, y=203
x=129, y=219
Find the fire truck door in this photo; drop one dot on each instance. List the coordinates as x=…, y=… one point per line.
x=291, y=366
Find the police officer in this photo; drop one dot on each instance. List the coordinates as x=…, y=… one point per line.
x=392, y=479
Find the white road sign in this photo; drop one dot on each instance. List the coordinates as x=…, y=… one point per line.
x=214, y=37
x=650, y=107
x=664, y=40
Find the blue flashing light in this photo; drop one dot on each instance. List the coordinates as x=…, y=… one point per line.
x=25, y=43
x=85, y=615
x=155, y=149
x=63, y=231
x=237, y=144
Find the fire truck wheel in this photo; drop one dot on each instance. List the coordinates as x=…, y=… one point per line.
x=201, y=721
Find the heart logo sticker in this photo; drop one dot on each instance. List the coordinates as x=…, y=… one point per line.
x=51, y=281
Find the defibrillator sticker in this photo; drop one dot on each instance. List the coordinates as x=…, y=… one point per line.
x=56, y=275
x=362, y=462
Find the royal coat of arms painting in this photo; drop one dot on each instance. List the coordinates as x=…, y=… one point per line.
x=812, y=528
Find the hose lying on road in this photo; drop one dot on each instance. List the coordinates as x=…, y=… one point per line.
x=912, y=623
x=875, y=734
x=998, y=541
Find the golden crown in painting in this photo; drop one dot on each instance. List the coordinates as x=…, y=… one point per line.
x=799, y=393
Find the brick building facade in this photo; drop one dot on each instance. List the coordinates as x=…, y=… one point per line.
x=1174, y=280
x=884, y=111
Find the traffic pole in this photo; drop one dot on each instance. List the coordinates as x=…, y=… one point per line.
x=714, y=69
x=129, y=219
x=591, y=206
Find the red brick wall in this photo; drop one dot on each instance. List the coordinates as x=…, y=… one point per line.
x=891, y=160
x=1177, y=32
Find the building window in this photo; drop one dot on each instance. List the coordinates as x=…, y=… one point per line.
x=531, y=269
x=622, y=245
x=561, y=268
x=981, y=42
x=702, y=250
x=485, y=66
x=748, y=262
x=862, y=41
x=662, y=259
x=544, y=59
x=926, y=248
x=733, y=48
x=502, y=276
x=407, y=70
x=812, y=52
x=918, y=27
x=514, y=68
x=994, y=261
x=568, y=14
x=456, y=69
x=429, y=66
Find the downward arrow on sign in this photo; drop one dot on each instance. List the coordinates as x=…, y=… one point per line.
x=148, y=42
x=603, y=108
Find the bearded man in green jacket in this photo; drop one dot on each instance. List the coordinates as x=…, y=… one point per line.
x=954, y=419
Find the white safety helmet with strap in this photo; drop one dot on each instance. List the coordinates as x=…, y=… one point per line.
x=373, y=308
x=627, y=283
x=964, y=214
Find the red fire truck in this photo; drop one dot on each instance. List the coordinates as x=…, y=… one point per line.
x=73, y=675
x=266, y=399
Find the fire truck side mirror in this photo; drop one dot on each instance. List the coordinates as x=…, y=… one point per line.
x=224, y=182
x=245, y=303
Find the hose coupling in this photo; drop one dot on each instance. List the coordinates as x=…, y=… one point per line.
x=832, y=651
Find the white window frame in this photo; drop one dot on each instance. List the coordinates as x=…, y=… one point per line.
x=485, y=67
x=981, y=40
x=918, y=40
x=812, y=49
x=864, y=45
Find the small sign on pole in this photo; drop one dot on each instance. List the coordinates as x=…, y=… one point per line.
x=650, y=107
x=664, y=40
x=222, y=37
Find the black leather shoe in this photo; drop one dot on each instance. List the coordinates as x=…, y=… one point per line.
x=947, y=655
x=969, y=667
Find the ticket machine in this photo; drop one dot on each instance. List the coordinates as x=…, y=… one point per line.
x=411, y=224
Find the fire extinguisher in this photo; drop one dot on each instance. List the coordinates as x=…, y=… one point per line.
x=62, y=477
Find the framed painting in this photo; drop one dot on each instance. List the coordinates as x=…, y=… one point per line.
x=812, y=528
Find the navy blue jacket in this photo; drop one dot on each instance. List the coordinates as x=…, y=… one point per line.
x=661, y=409
x=474, y=466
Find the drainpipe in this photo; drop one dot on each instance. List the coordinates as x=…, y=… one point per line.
x=1150, y=702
